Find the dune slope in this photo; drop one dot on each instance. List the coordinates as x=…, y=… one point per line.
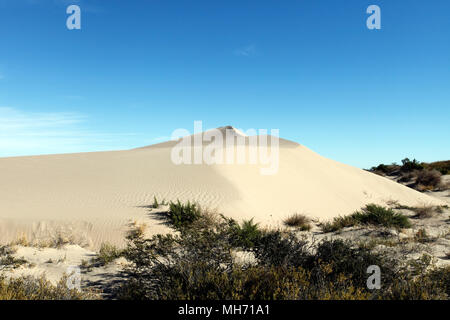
x=90, y=197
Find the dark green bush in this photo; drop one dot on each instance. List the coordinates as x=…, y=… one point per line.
x=408, y=165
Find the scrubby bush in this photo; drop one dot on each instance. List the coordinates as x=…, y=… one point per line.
x=299, y=221
x=199, y=265
x=277, y=248
x=428, y=179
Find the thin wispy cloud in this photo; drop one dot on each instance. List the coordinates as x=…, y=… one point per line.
x=27, y=133
x=247, y=51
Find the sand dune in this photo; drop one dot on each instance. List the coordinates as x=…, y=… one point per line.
x=92, y=196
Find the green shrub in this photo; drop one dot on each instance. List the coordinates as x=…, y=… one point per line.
x=107, y=254
x=408, y=165
x=246, y=234
x=155, y=204
x=377, y=215
x=181, y=215
x=371, y=214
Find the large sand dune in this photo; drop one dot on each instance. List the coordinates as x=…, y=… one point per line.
x=92, y=196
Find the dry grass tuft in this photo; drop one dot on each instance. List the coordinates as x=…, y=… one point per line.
x=299, y=221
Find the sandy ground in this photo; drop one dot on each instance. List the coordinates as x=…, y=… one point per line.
x=89, y=198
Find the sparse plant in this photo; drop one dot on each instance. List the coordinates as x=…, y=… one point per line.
x=338, y=224
x=155, y=203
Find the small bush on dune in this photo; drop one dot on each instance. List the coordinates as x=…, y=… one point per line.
x=299, y=221
x=181, y=215
x=371, y=214
x=107, y=254
x=377, y=215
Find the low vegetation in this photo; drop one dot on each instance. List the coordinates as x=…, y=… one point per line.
x=420, y=175
x=29, y=288
x=198, y=263
x=371, y=214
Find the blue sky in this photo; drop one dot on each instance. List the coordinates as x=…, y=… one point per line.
x=137, y=70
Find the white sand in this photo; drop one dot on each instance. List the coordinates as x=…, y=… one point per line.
x=92, y=196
